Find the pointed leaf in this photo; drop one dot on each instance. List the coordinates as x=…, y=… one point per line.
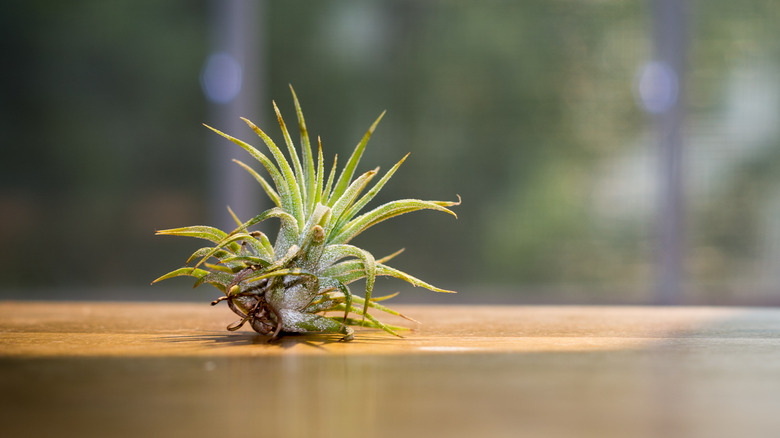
x=233, y=215
x=296, y=207
x=211, y=234
x=267, y=187
x=220, y=280
x=267, y=251
x=333, y=253
x=384, y=212
x=259, y=248
x=246, y=260
x=189, y=272
x=293, y=155
x=326, y=195
x=200, y=231
x=373, y=304
x=287, y=220
x=306, y=156
x=356, y=207
x=372, y=322
x=364, y=323
x=350, y=271
x=320, y=174
x=346, y=200
x=292, y=252
x=385, y=270
x=350, y=267
x=279, y=180
x=221, y=268
x=346, y=175
x=219, y=255
x=260, y=275
x=276, y=212
x=384, y=297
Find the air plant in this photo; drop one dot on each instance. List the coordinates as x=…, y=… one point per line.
x=300, y=284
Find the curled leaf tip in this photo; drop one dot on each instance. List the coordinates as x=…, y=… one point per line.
x=409, y=318
x=249, y=122
x=449, y=204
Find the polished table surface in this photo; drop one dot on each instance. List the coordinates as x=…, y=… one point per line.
x=161, y=369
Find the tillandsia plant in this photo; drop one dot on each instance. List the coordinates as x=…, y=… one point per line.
x=300, y=283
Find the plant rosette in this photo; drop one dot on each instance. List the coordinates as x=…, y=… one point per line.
x=300, y=284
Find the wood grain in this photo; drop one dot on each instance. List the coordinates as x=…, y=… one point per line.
x=161, y=369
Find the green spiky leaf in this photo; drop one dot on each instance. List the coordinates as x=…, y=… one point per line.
x=354, y=159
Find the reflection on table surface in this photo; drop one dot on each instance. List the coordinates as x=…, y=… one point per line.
x=136, y=369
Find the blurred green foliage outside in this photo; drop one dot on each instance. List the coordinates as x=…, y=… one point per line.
x=526, y=109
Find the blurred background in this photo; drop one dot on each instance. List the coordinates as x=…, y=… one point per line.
x=605, y=151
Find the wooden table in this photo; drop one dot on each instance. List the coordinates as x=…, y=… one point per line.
x=159, y=369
